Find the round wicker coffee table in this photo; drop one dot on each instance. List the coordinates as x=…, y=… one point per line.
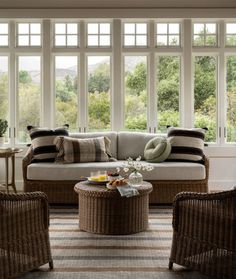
x=104, y=211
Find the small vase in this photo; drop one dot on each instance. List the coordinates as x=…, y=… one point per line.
x=135, y=179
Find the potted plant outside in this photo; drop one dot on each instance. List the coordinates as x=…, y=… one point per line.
x=3, y=128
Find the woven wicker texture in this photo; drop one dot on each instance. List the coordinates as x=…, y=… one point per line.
x=204, y=236
x=104, y=211
x=24, y=238
x=164, y=191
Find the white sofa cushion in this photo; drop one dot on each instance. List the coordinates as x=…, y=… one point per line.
x=111, y=135
x=161, y=171
x=132, y=144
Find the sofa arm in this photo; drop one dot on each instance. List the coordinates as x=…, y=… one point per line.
x=206, y=164
x=26, y=161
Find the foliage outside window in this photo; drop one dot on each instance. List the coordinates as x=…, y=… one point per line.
x=136, y=93
x=3, y=34
x=29, y=34
x=168, y=34
x=99, y=95
x=205, y=80
x=98, y=34
x=205, y=34
x=29, y=94
x=231, y=98
x=4, y=90
x=230, y=34
x=135, y=34
x=66, y=34
x=168, y=85
x=66, y=79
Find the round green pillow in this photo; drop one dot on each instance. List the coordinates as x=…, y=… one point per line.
x=157, y=150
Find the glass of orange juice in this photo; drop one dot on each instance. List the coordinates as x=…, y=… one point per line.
x=103, y=176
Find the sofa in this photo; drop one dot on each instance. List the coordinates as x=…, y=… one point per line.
x=168, y=178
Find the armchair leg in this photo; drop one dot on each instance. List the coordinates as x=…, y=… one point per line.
x=51, y=264
x=170, y=264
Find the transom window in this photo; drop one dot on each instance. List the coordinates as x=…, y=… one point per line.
x=29, y=34
x=168, y=34
x=98, y=34
x=3, y=34
x=230, y=34
x=135, y=34
x=205, y=34
x=66, y=34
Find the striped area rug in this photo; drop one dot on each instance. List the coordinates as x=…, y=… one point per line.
x=78, y=254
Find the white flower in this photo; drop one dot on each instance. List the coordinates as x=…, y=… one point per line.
x=126, y=169
x=138, y=158
x=118, y=170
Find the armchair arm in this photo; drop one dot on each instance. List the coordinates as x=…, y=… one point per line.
x=26, y=161
x=206, y=164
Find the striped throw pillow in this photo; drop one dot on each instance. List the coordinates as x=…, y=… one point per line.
x=186, y=144
x=74, y=150
x=42, y=141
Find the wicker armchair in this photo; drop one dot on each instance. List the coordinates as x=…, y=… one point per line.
x=204, y=233
x=24, y=237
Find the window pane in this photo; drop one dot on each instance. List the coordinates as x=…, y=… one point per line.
x=29, y=91
x=104, y=40
x=141, y=40
x=174, y=40
x=4, y=113
x=3, y=28
x=129, y=28
x=35, y=40
x=72, y=40
x=210, y=40
x=168, y=86
x=23, y=40
x=92, y=28
x=174, y=28
x=231, y=98
x=161, y=28
x=92, y=40
x=66, y=78
x=141, y=28
x=3, y=40
x=99, y=81
x=210, y=28
x=230, y=28
x=35, y=28
x=161, y=40
x=129, y=40
x=60, y=28
x=136, y=93
x=72, y=28
x=60, y=40
x=199, y=40
x=105, y=28
x=23, y=28
x=198, y=28
x=205, y=94
x=231, y=40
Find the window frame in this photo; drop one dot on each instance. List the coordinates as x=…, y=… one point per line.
x=135, y=46
x=66, y=34
x=29, y=34
x=167, y=34
x=217, y=34
x=98, y=34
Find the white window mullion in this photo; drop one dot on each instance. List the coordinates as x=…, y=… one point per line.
x=117, y=107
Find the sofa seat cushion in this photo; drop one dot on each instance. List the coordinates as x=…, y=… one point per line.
x=161, y=171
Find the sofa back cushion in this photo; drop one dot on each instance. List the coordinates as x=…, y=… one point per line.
x=112, y=136
x=72, y=150
x=42, y=141
x=132, y=144
x=186, y=144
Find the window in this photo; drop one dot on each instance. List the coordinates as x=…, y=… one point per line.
x=135, y=93
x=98, y=34
x=230, y=34
x=168, y=34
x=168, y=86
x=29, y=34
x=29, y=95
x=4, y=103
x=3, y=34
x=231, y=98
x=66, y=84
x=99, y=95
x=66, y=34
x=205, y=34
x=135, y=34
x=205, y=88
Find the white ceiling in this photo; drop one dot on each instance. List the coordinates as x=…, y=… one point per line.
x=102, y=4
